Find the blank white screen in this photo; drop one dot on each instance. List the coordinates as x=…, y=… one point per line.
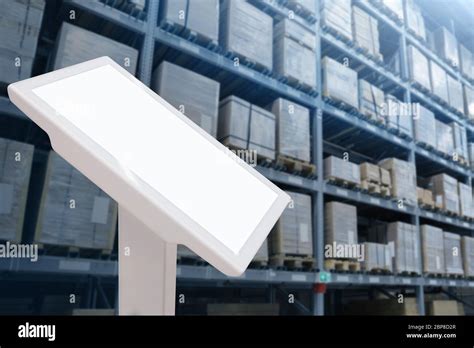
x=163, y=151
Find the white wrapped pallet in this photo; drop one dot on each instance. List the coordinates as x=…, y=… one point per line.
x=467, y=246
x=444, y=138
x=414, y=20
x=292, y=234
x=340, y=82
x=432, y=243
x=339, y=230
x=418, y=67
x=425, y=127
x=466, y=61
x=445, y=191
x=469, y=102
x=452, y=253
x=396, y=117
x=371, y=101
x=439, y=81
x=365, y=32
x=337, y=16
x=295, y=62
x=20, y=24
x=246, y=126
x=239, y=24
x=293, y=137
x=73, y=211
x=200, y=17
x=466, y=204
x=194, y=95
x=403, y=177
x=76, y=45
x=377, y=257
x=459, y=140
x=446, y=45
x=396, y=7
x=338, y=169
x=404, y=238
x=15, y=169
x=455, y=94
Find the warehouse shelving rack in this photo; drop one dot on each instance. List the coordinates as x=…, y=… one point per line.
x=154, y=36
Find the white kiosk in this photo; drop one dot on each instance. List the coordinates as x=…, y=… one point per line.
x=174, y=183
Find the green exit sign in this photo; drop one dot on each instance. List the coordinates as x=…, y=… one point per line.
x=324, y=277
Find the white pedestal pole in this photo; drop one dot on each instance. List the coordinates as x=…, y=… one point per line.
x=147, y=270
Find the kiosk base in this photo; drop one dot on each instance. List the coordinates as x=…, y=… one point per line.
x=147, y=269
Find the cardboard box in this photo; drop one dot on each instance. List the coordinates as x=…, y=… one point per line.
x=415, y=20
x=196, y=96
x=293, y=138
x=340, y=223
x=404, y=238
x=403, y=179
x=466, y=61
x=200, y=17
x=466, y=204
x=340, y=82
x=453, y=253
x=455, y=91
x=396, y=117
x=444, y=138
x=443, y=307
x=293, y=233
x=73, y=211
x=365, y=31
x=15, y=170
x=459, y=140
x=445, y=190
x=469, y=102
x=439, y=81
x=418, y=67
x=76, y=45
x=425, y=127
x=377, y=257
x=339, y=169
x=432, y=244
x=385, y=178
x=337, y=16
x=246, y=126
x=239, y=24
x=467, y=246
x=371, y=101
x=370, y=172
x=446, y=45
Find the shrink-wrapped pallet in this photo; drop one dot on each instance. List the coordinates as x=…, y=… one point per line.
x=292, y=129
x=20, y=25
x=444, y=138
x=415, y=20
x=200, y=17
x=403, y=179
x=469, y=102
x=76, y=45
x=340, y=223
x=459, y=140
x=425, y=127
x=246, y=126
x=404, y=238
x=365, y=31
x=467, y=246
x=291, y=59
x=338, y=169
x=455, y=92
x=194, y=95
x=340, y=82
x=73, y=211
x=466, y=207
x=445, y=191
x=247, y=32
x=370, y=172
x=377, y=257
x=292, y=234
x=397, y=117
x=16, y=160
x=432, y=244
x=466, y=60
x=446, y=45
x=337, y=16
x=396, y=7
x=452, y=253
x=439, y=81
x=371, y=101
x=418, y=67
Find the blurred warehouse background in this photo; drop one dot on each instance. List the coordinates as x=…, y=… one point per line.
x=363, y=110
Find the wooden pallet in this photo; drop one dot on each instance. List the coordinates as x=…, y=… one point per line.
x=73, y=251
x=340, y=36
x=298, y=85
x=408, y=274
x=434, y=275
x=426, y=206
x=385, y=191
x=190, y=35
x=339, y=265
x=341, y=105
x=293, y=262
x=297, y=166
x=249, y=63
x=380, y=271
x=455, y=275
x=343, y=183
x=371, y=187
